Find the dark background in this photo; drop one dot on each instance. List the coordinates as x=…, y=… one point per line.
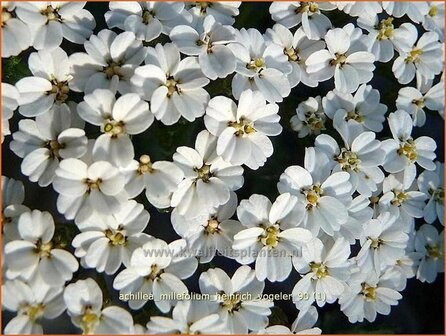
x=420, y=311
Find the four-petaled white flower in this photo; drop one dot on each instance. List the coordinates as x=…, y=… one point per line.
x=237, y=314
x=16, y=35
x=84, y=302
x=261, y=66
x=430, y=243
x=146, y=19
x=208, y=178
x=173, y=86
x=431, y=183
x=109, y=62
x=350, y=64
x=36, y=253
x=310, y=117
x=243, y=129
x=208, y=42
x=118, y=119
x=50, y=84
x=52, y=21
x=157, y=268
x=271, y=236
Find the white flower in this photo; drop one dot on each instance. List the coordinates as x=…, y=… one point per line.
x=413, y=101
x=383, y=37
x=174, y=87
x=52, y=21
x=314, y=23
x=209, y=232
x=261, y=66
x=433, y=20
x=118, y=119
x=147, y=20
x=84, y=188
x=16, y=36
x=323, y=197
x=431, y=244
x=359, y=212
x=310, y=117
x=32, y=301
x=107, y=241
x=432, y=184
x=36, y=253
x=271, y=236
x=404, y=268
x=383, y=243
x=237, y=314
x=49, y=86
x=298, y=48
x=243, y=129
x=10, y=102
x=363, y=107
x=424, y=58
x=349, y=64
x=156, y=268
x=303, y=324
x=43, y=143
x=208, y=42
x=324, y=269
x=360, y=156
x=159, y=178
x=223, y=11
x=110, y=61
x=208, y=179
x=188, y=317
x=13, y=195
x=364, y=10
x=83, y=300
x=402, y=152
x=416, y=11
x=367, y=294
x=403, y=200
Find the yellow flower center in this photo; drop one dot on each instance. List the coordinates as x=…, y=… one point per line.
x=315, y=121
x=353, y=115
x=34, y=312
x=172, y=86
x=376, y=243
x=413, y=56
x=54, y=146
x=112, y=69
x=408, y=149
x=114, y=128
x=385, y=28
x=43, y=250
x=51, y=14
x=155, y=272
x=145, y=165
x=6, y=16
x=292, y=54
x=203, y=6
x=212, y=226
x=434, y=251
x=256, y=64
x=349, y=160
x=340, y=59
x=270, y=236
x=243, y=126
x=419, y=103
x=399, y=198
x=369, y=292
x=61, y=89
x=433, y=11
x=320, y=270
x=89, y=322
x=310, y=7
x=312, y=195
x=204, y=173
x=92, y=185
x=116, y=238
x=147, y=16
x=232, y=303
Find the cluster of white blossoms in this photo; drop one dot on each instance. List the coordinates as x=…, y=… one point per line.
x=361, y=215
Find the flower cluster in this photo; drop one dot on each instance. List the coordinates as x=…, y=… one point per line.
x=360, y=215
